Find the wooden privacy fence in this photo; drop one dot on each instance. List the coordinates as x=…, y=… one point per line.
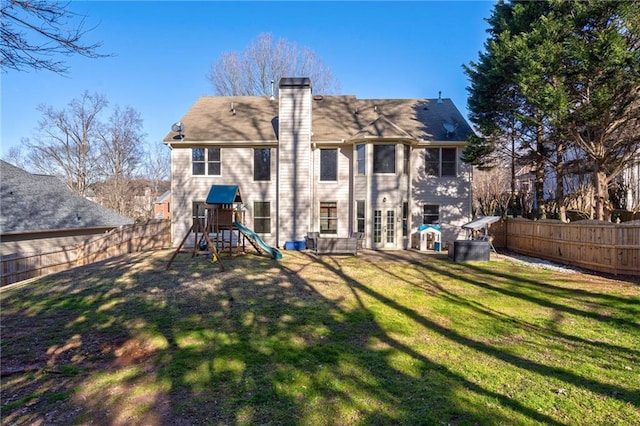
x=150, y=235
x=598, y=246
x=153, y=234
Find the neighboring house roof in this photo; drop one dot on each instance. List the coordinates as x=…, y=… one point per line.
x=253, y=119
x=164, y=198
x=224, y=194
x=31, y=202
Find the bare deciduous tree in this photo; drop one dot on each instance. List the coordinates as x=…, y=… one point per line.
x=265, y=60
x=106, y=159
x=16, y=154
x=157, y=166
x=67, y=144
x=492, y=191
x=121, y=155
x=36, y=32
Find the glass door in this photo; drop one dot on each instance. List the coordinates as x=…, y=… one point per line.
x=391, y=228
x=384, y=229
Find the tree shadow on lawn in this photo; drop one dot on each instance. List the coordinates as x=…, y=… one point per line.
x=292, y=342
x=623, y=313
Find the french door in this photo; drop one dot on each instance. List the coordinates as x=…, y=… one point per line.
x=384, y=228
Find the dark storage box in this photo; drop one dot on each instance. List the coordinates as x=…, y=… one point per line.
x=470, y=250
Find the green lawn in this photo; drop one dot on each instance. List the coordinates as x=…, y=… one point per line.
x=400, y=338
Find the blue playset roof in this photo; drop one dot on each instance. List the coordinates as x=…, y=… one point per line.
x=224, y=194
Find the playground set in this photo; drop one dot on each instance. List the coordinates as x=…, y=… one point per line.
x=219, y=227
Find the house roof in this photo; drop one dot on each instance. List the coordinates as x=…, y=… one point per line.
x=166, y=197
x=224, y=194
x=253, y=119
x=31, y=202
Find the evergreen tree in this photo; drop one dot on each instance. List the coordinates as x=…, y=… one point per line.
x=560, y=75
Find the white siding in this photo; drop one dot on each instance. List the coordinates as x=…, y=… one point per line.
x=339, y=191
x=452, y=194
x=294, y=159
x=236, y=169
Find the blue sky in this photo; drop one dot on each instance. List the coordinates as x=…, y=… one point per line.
x=163, y=51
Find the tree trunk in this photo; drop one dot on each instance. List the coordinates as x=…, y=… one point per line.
x=512, y=197
x=602, y=205
x=562, y=209
x=539, y=183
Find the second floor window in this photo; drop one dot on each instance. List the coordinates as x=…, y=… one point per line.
x=441, y=162
x=384, y=158
x=360, y=159
x=407, y=159
x=205, y=161
x=262, y=164
x=329, y=165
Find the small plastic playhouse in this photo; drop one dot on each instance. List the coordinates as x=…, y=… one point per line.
x=428, y=237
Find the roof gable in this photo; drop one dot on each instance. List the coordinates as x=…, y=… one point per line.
x=381, y=128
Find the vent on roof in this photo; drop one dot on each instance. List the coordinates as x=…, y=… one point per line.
x=233, y=109
x=272, y=97
x=318, y=97
x=440, y=97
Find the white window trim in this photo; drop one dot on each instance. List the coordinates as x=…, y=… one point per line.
x=320, y=181
x=395, y=160
x=254, y=164
x=206, y=165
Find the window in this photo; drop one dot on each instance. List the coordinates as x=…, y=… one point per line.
x=262, y=217
x=205, y=161
x=262, y=164
x=449, y=162
x=329, y=165
x=360, y=216
x=391, y=229
x=407, y=159
x=431, y=214
x=405, y=219
x=432, y=161
x=384, y=158
x=441, y=161
x=198, y=213
x=329, y=217
x=377, y=226
x=360, y=159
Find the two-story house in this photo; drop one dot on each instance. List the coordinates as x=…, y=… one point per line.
x=329, y=164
